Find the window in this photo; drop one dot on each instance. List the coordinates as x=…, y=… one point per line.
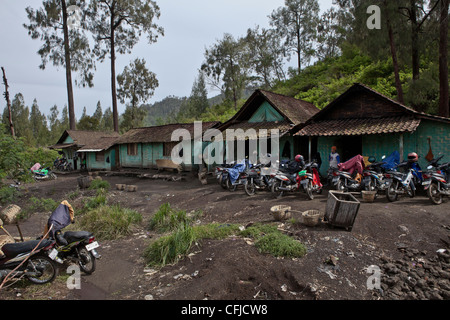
x=167, y=149
x=100, y=156
x=132, y=149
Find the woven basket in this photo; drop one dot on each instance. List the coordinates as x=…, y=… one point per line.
x=281, y=212
x=312, y=218
x=9, y=214
x=368, y=196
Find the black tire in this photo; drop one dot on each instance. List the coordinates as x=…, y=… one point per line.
x=230, y=186
x=275, y=189
x=391, y=195
x=250, y=188
x=222, y=182
x=86, y=260
x=309, y=191
x=340, y=185
x=433, y=194
x=45, y=266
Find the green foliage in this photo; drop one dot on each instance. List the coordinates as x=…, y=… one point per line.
x=99, y=184
x=169, y=249
x=109, y=222
x=8, y=195
x=42, y=204
x=268, y=239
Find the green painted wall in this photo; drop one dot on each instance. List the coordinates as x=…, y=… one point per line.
x=266, y=113
x=385, y=144
x=92, y=164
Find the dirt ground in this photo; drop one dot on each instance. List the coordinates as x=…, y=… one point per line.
x=407, y=232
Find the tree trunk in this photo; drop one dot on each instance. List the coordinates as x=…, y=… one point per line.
x=8, y=104
x=444, y=104
x=398, y=83
x=113, y=77
x=414, y=41
x=71, y=105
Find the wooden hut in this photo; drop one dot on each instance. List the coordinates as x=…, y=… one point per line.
x=143, y=147
x=363, y=121
x=73, y=140
x=268, y=110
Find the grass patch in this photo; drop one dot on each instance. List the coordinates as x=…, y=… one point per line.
x=268, y=239
x=170, y=248
x=109, y=222
x=99, y=184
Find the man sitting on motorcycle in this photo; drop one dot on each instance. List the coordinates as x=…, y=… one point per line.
x=295, y=166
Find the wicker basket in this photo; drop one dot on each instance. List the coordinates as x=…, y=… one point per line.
x=281, y=212
x=312, y=218
x=368, y=196
x=9, y=214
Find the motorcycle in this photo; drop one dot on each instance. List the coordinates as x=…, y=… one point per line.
x=28, y=259
x=436, y=181
x=75, y=246
x=79, y=247
x=373, y=177
x=258, y=178
x=312, y=168
x=41, y=173
x=344, y=181
x=344, y=177
x=400, y=183
x=285, y=182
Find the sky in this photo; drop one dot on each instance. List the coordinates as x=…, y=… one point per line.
x=190, y=26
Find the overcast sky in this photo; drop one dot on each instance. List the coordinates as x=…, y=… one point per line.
x=190, y=26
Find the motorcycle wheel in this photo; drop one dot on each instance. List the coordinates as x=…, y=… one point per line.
x=433, y=194
x=309, y=191
x=222, y=182
x=391, y=195
x=44, y=266
x=340, y=186
x=275, y=189
x=250, y=188
x=410, y=191
x=230, y=186
x=86, y=260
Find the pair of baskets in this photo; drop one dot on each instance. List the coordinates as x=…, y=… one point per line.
x=310, y=218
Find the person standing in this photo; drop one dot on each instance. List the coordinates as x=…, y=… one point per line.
x=334, y=158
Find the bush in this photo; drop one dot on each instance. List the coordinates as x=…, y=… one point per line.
x=99, y=184
x=109, y=222
x=269, y=239
x=8, y=195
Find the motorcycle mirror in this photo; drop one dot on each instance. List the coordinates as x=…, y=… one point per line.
x=383, y=157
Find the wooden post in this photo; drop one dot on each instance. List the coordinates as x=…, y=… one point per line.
x=401, y=147
x=309, y=148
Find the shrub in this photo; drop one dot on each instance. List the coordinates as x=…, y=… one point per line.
x=109, y=222
x=99, y=184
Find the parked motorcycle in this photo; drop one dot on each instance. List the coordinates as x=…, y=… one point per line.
x=41, y=173
x=400, y=183
x=28, y=259
x=284, y=182
x=79, y=247
x=344, y=181
x=436, y=181
x=373, y=176
x=258, y=178
x=313, y=169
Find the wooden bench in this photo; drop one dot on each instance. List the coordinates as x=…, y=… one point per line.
x=163, y=164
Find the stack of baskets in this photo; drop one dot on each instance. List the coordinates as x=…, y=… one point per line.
x=281, y=212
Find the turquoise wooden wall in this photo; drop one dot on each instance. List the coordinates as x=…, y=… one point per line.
x=385, y=144
x=93, y=164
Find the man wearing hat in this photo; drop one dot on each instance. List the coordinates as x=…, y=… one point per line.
x=334, y=158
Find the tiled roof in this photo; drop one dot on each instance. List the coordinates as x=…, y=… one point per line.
x=160, y=133
x=103, y=143
x=282, y=126
x=348, y=127
x=82, y=137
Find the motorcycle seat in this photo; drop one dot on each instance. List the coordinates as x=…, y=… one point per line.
x=72, y=236
x=14, y=249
